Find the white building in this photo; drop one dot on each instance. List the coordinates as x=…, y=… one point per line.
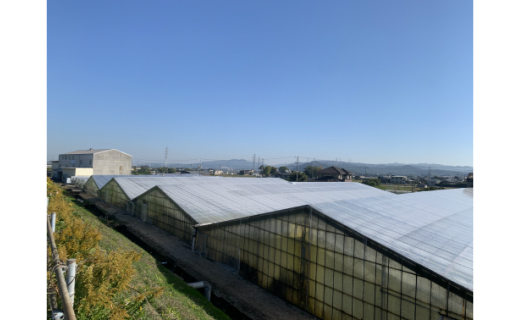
x=90, y=162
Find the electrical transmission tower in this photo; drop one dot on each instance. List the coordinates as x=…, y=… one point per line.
x=166, y=157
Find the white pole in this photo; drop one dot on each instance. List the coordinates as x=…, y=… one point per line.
x=71, y=278
x=53, y=221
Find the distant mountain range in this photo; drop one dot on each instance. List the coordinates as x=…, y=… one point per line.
x=356, y=167
x=418, y=169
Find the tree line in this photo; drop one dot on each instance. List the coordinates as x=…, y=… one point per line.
x=309, y=172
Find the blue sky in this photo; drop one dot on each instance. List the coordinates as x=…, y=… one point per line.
x=369, y=81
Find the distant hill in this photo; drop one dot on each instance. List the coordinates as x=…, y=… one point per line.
x=391, y=168
x=357, y=167
x=235, y=164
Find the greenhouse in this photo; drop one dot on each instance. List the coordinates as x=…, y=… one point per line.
x=96, y=182
x=403, y=257
x=119, y=190
x=337, y=250
x=79, y=181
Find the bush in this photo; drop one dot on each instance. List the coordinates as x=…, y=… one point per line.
x=372, y=182
x=102, y=278
x=302, y=177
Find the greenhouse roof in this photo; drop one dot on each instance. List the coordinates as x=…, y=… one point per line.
x=433, y=229
x=135, y=185
x=212, y=200
x=101, y=180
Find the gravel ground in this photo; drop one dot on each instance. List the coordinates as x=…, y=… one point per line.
x=248, y=298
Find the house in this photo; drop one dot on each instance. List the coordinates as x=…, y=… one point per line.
x=336, y=173
x=325, y=179
x=385, y=178
x=92, y=162
x=398, y=179
x=432, y=182
x=283, y=175
x=244, y=172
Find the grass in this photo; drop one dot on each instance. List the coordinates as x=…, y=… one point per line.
x=179, y=301
x=237, y=176
x=396, y=187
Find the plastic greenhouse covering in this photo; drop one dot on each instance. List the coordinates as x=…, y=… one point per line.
x=337, y=250
x=79, y=181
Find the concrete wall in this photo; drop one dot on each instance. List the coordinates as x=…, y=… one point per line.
x=84, y=171
x=112, y=162
x=75, y=160
x=71, y=172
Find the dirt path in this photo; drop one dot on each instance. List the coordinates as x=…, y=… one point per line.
x=250, y=299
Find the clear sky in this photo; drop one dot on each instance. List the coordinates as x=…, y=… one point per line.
x=369, y=81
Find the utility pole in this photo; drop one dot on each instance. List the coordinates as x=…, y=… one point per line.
x=254, y=162
x=297, y=167
x=200, y=165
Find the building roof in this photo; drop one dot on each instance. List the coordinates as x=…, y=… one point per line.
x=88, y=151
x=433, y=229
x=102, y=180
x=92, y=151
x=334, y=170
x=134, y=186
x=210, y=200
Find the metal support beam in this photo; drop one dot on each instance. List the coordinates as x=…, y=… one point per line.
x=193, y=239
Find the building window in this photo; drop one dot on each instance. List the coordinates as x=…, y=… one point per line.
x=90, y=162
x=80, y=161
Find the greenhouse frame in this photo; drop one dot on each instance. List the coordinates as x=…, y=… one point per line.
x=336, y=250
x=96, y=182
x=336, y=272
